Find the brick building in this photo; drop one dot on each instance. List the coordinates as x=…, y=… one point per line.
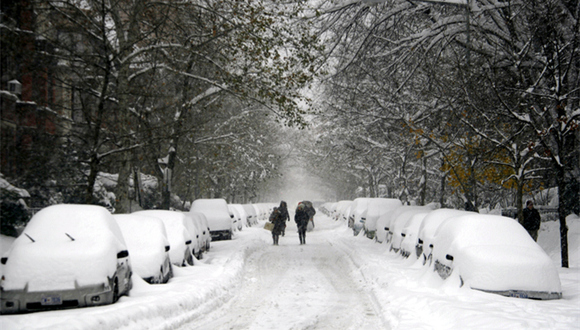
x=26, y=88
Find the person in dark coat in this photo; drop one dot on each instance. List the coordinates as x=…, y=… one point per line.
x=301, y=218
x=532, y=220
x=283, y=208
x=278, y=218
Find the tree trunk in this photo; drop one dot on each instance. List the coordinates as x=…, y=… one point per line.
x=562, y=215
x=423, y=195
x=519, y=201
x=168, y=177
x=122, y=204
x=442, y=188
x=92, y=178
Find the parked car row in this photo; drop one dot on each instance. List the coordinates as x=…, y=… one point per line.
x=485, y=252
x=73, y=255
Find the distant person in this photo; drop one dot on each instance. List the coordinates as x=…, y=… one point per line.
x=283, y=208
x=301, y=218
x=532, y=220
x=278, y=218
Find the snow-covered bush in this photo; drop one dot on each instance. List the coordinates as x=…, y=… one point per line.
x=13, y=208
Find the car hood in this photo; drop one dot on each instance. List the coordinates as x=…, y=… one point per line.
x=59, y=265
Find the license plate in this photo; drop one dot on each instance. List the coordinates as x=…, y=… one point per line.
x=52, y=300
x=519, y=295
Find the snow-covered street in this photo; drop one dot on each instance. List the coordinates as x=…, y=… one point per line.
x=335, y=281
x=292, y=286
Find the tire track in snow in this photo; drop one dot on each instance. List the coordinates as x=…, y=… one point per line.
x=294, y=286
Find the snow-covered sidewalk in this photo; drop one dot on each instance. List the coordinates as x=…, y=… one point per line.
x=345, y=280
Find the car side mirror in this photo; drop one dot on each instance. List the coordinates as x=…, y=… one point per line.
x=449, y=257
x=167, y=248
x=122, y=254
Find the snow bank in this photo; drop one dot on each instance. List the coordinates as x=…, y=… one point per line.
x=192, y=292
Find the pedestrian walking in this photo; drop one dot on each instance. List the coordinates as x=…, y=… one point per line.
x=532, y=220
x=301, y=218
x=278, y=217
x=283, y=208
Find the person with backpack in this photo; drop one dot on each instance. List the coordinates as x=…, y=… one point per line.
x=301, y=218
x=278, y=217
x=311, y=212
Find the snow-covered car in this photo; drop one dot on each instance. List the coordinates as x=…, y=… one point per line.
x=148, y=246
x=260, y=212
x=69, y=255
x=375, y=208
x=201, y=222
x=181, y=240
x=409, y=235
x=237, y=219
x=357, y=215
x=328, y=208
x=394, y=235
x=264, y=210
x=218, y=216
x=494, y=254
x=252, y=215
x=384, y=223
x=428, y=228
x=340, y=210
x=243, y=215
